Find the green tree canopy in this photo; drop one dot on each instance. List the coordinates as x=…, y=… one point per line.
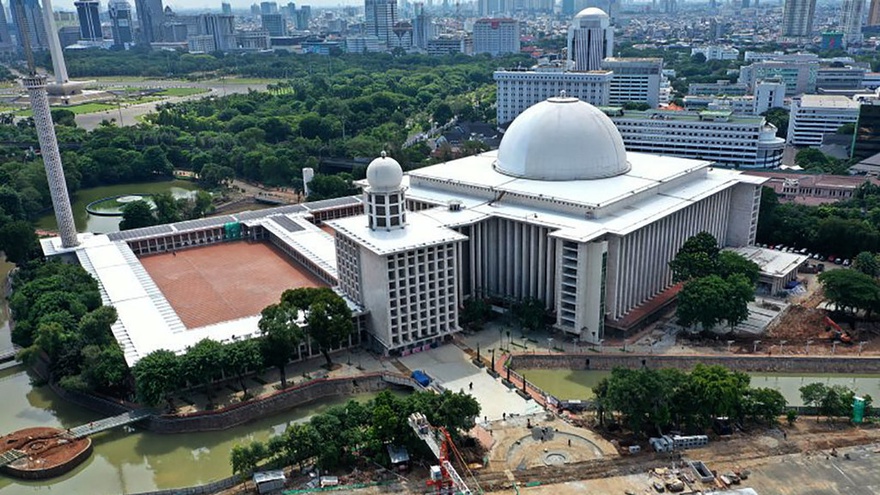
x=157, y=375
x=281, y=336
x=327, y=316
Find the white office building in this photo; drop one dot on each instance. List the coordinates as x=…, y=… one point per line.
x=814, y=116
x=716, y=52
x=590, y=39
x=518, y=90
x=496, y=36
x=634, y=80
x=769, y=93
x=799, y=76
x=717, y=136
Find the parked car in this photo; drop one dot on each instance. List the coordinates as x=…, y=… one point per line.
x=846, y=262
x=838, y=261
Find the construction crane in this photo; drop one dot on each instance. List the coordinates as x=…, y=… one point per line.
x=444, y=478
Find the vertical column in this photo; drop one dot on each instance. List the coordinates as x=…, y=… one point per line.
x=36, y=88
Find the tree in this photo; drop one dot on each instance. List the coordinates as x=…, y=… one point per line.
x=812, y=395
x=530, y=313
x=847, y=129
x=778, y=116
x=63, y=116
x=327, y=316
x=243, y=356
x=836, y=402
x=18, y=241
x=850, y=289
x=203, y=364
x=157, y=375
x=731, y=263
x=866, y=263
x=281, y=336
x=696, y=258
x=166, y=210
x=766, y=404
x=699, y=302
x=94, y=327
x=137, y=214
x=213, y=176
x=442, y=114
x=104, y=368
x=716, y=391
x=474, y=313
x=245, y=458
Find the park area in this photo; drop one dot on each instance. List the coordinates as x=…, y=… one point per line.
x=212, y=284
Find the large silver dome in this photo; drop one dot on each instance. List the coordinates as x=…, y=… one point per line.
x=562, y=139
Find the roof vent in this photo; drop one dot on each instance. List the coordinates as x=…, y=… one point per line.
x=454, y=205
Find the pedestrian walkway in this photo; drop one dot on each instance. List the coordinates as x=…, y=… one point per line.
x=108, y=423
x=452, y=368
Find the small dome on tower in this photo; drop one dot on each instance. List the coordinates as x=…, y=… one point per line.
x=384, y=174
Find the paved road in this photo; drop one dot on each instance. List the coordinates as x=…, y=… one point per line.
x=129, y=115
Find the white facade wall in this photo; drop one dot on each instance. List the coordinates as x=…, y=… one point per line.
x=590, y=40
x=518, y=90
x=715, y=52
x=768, y=94
x=814, y=116
x=634, y=80
x=496, y=36
x=733, y=143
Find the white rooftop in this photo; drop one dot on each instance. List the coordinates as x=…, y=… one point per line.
x=828, y=101
x=420, y=231
x=773, y=263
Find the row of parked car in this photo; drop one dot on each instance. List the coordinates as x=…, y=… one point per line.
x=806, y=252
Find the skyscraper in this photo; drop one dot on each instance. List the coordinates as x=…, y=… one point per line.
x=89, y=20
x=380, y=16
x=151, y=18
x=275, y=24
x=851, y=21
x=268, y=8
x=590, y=39
x=220, y=27
x=226, y=8
x=303, y=17
x=30, y=13
x=423, y=28
x=120, y=22
x=797, y=19
x=874, y=13
x=6, y=44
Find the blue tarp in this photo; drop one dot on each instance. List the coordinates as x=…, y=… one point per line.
x=420, y=376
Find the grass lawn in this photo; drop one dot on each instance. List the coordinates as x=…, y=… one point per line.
x=182, y=91
x=89, y=108
x=242, y=81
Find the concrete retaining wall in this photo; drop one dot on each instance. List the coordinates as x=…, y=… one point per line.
x=785, y=364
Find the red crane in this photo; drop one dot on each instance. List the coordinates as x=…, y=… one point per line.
x=444, y=478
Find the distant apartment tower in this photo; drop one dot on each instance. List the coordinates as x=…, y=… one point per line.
x=89, y=20
x=379, y=18
x=226, y=8
x=567, y=8
x=275, y=24
x=518, y=90
x=268, y=8
x=814, y=116
x=423, y=27
x=30, y=13
x=120, y=22
x=303, y=17
x=487, y=8
x=496, y=36
x=635, y=80
x=253, y=40
x=797, y=19
x=151, y=18
x=800, y=76
x=874, y=13
x=851, y=21
x=590, y=39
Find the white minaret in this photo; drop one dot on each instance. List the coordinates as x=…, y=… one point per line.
x=384, y=200
x=58, y=64
x=36, y=87
x=590, y=39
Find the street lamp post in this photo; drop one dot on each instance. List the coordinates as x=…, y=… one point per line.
x=755, y=346
x=729, y=343
x=833, y=348
x=807, y=347
x=550, y=345
x=601, y=344
x=782, y=346
x=493, y=358
x=861, y=346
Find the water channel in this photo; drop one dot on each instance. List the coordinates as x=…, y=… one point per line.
x=578, y=384
x=86, y=222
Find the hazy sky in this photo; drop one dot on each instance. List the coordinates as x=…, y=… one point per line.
x=213, y=4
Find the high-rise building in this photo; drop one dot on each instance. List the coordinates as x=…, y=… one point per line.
x=797, y=19
x=874, y=13
x=276, y=24
x=151, y=17
x=816, y=115
x=423, y=28
x=268, y=8
x=590, y=39
x=120, y=22
x=520, y=89
x=27, y=15
x=380, y=16
x=226, y=8
x=851, y=21
x=6, y=44
x=89, y=20
x=568, y=7
x=634, y=80
x=220, y=27
x=496, y=36
x=303, y=17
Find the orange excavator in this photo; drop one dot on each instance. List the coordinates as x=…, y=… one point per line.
x=834, y=333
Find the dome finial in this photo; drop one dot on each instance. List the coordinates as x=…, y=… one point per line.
x=562, y=93
x=383, y=154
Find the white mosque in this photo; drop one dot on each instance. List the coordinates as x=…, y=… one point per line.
x=561, y=212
